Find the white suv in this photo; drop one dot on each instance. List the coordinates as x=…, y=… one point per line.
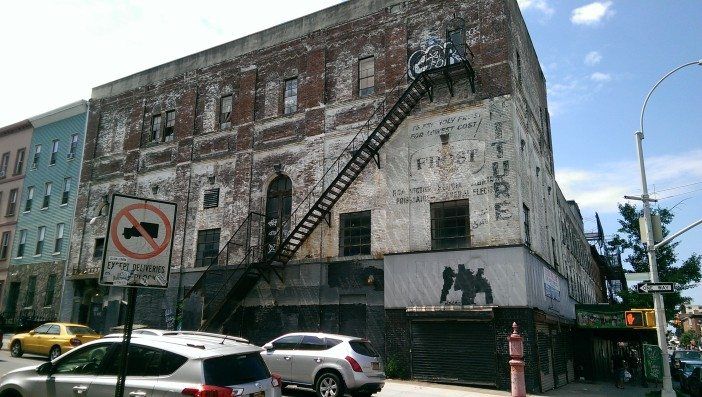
x=177, y=364
x=331, y=364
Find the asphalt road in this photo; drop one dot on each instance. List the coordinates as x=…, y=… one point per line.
x=8, y=363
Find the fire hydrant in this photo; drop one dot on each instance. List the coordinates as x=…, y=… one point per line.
x=516, y=353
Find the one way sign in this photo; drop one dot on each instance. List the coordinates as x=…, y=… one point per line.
x=648, y=288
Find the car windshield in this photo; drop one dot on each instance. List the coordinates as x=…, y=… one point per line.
x=688, y=355
x=364, y=348
x=79, y=330
x=235, y=369
x=691, y=367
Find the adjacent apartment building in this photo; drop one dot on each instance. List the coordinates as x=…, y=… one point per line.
x=15, y=140
x=378, y=168
x=45, y=205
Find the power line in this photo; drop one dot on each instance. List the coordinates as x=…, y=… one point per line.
x=678, y=187
x=680, y=194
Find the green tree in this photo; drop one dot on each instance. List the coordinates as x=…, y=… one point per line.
x=684, y=275
x=689, y=336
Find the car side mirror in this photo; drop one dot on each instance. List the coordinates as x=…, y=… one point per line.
x=268, y=347
x=45, y=369
x=32, y=332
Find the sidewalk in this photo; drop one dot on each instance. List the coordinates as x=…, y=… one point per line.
x=395, y=388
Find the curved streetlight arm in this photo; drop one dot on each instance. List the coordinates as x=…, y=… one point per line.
x=643, y=109
x=676, y=234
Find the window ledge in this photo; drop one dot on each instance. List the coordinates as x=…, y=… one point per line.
x=37, y=255
x=63, y=204
x=56, y=253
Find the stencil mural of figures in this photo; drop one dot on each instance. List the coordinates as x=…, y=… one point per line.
x=469, y=283
x=448, y=275
x=465, y=282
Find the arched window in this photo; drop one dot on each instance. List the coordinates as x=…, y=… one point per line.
x=278, y=208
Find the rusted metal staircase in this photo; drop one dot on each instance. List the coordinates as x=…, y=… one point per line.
x=249, y=263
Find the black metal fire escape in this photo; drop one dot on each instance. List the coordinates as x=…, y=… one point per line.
x=242, y=262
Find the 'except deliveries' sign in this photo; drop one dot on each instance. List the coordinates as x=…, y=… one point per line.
x=139, y=243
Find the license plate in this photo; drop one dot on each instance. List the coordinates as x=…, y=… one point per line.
x=259, y=394
x=375, y=366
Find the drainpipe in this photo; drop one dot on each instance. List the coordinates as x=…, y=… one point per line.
x=179, y=300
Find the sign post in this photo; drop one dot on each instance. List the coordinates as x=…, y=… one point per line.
x=649, y=288
x=137, y=255
x=653, y=363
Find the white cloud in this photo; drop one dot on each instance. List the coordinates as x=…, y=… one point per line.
x=600, y=77
x=89, y=43
x=601, y=186
x=592, y=13
x=593, y=58
x=539, y=5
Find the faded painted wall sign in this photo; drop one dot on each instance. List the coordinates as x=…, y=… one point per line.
x=552, y=285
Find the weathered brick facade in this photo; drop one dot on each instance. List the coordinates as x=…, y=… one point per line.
x=491, y=147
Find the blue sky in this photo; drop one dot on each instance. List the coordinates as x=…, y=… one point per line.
x=599, y=62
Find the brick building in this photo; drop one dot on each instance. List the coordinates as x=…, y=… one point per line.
x=377, y=168
x=45, y=206
x=15, y=139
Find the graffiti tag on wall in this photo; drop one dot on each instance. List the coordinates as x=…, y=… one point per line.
x=432, y=57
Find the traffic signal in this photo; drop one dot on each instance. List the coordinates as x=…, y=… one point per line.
x=634, y=318
x=650, y=318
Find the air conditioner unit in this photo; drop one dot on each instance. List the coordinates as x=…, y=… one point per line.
x=71, y=155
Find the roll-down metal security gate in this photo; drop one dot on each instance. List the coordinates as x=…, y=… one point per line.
x=454, y=351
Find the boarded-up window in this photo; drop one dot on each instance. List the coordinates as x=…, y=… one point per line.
x=211, y=198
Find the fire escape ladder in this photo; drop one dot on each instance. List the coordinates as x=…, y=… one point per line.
x=239, y=266
x=365, y=146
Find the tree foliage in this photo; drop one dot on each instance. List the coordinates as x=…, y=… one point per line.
x=689, y=336
x=685, y=275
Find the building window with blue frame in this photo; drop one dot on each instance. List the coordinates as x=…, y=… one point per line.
x=30, y=198
x=41, y=235
x=54, y=151
x=74, y=146
x=47, y=195
x=66, y=191
x=37, y=157
x=58, y=242
x=22, y=243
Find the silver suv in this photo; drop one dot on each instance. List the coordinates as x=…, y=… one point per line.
x=174, y=364
x=331, y=364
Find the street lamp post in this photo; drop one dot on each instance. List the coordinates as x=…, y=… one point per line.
x=658, y=306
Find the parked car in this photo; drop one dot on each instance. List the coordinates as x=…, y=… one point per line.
x=679, y=356
x=686, y=370
x=331, y=364
x=51, y=339
x=694, y=383
x=159, y=366
x=163, y=332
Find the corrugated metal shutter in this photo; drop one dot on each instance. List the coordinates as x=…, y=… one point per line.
x=560, y=369
x=543, y=339
x=211, y=198
x=454, y=351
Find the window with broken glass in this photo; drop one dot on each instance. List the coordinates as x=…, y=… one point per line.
x=450, y=225
x=355, y=233
x=290, y=96
x=366, y=76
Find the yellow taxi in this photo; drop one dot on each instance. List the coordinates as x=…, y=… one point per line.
x=51, y=339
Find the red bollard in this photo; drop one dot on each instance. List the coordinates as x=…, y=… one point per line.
x=516, y=353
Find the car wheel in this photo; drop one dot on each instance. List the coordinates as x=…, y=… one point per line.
x=329, y=385
x=16, y=349
x=55, y=352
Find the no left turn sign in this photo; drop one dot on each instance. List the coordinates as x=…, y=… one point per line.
x=139, y=243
